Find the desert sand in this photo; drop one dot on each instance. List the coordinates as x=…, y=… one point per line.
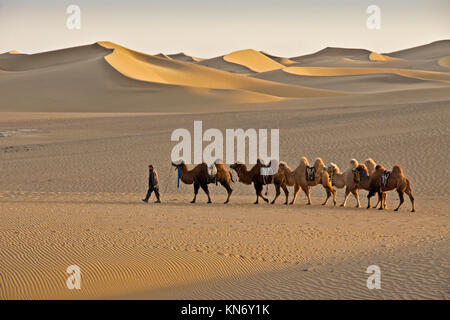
x=79, y=126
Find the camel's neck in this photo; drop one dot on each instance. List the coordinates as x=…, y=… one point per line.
x=186, y=175
x=289, y=174
x=364, y=181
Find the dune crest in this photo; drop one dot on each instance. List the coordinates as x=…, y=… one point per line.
x=253, y=60
x=284, y=61
x=183, y=57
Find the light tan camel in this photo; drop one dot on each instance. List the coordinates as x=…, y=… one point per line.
x=344, y=179
x=317, y=176
x=394, y=180
x=351, y=179
x=198, y=176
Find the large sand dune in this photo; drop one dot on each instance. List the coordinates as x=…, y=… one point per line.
x=107, y=77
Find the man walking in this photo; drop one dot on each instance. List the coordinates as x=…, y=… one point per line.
x=153, y=184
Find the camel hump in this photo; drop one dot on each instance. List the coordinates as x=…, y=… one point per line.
x=354, y=163
x=379, y=167
x=397, y=169
x=370, y=163
x=304, y=161
x=319, y=162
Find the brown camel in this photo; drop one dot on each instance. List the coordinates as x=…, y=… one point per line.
x=305, y=176
x=198, y=176
x=383, y=180
x=253, y=176
x=281, y=181
x=224, y=177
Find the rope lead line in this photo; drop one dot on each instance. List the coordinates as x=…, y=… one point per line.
x=179, y=177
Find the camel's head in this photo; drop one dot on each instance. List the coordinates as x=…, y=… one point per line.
x=237, y=166
x=332, y=169
x=282, y=165
x=177, y=163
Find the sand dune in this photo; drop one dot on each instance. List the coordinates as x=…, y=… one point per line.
x=282, y=60
x=325, y=71
x=220, y=64
x=381, y=57
x=434, y=50
x=357, y=54
x=378, y=82
x=253, y=60
x=108, y=77
x=55, y=58
x=154, y=69
x=162, y=55
x=246, y=62
x=184, y=57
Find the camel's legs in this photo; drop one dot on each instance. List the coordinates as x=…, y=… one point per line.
x=229, y=191
x=356, y=194
x=347, y=193
x=286, y=192
x=409, y=193
x=402, y=199
x=306, y=191
x=196, y=187
x=205, y=188
x=328, y=196
x=333, y=191
x=260, y=194
x=382, y=196
x=277, y=193
x=258, y=189
x=296, y=190
x=369, y=195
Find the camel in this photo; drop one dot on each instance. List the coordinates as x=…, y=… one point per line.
x=395, y=180
x=359, y=180
x=317, y=176
x=198, y=176
x=345, y=179
x=253, y=176
x=224, y=177
x=280, y=182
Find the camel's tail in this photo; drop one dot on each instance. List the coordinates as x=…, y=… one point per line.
x=408, y=186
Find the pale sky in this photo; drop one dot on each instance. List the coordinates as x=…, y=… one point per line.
x=208, y=28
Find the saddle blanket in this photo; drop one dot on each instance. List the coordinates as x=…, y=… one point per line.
x=384, y=178
x=310, y=173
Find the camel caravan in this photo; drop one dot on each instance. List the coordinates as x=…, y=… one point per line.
x=369, y=176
